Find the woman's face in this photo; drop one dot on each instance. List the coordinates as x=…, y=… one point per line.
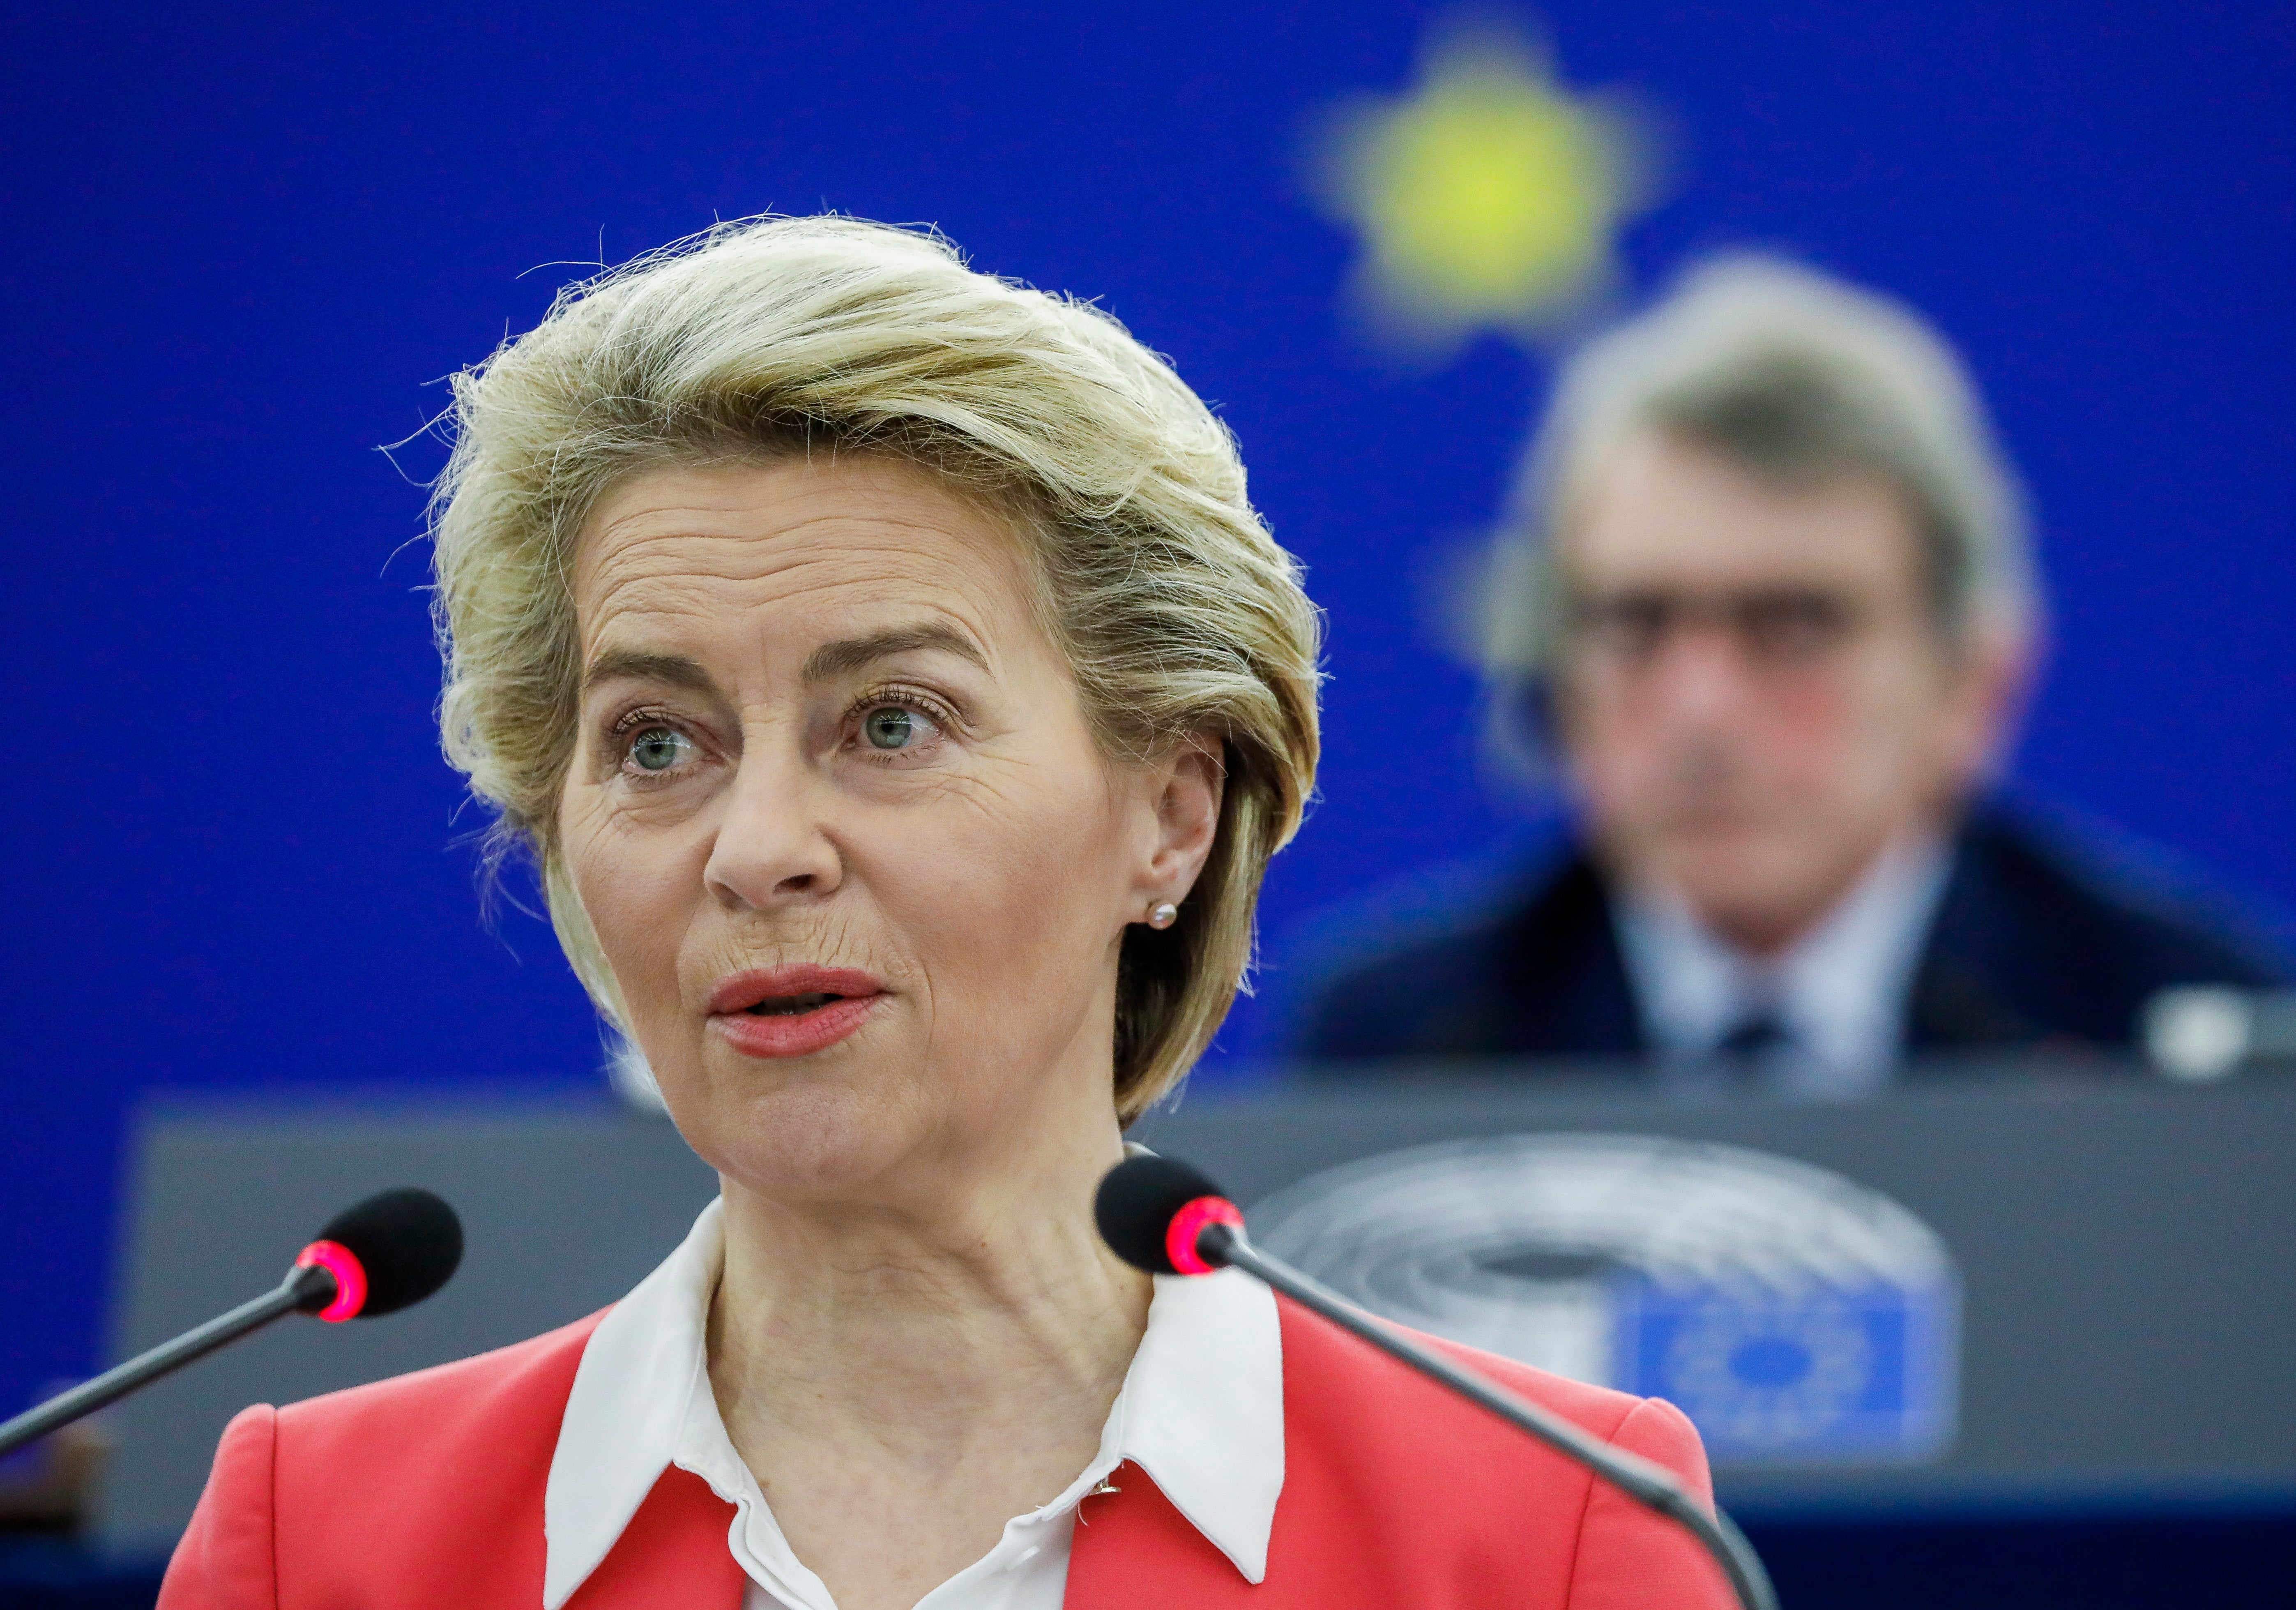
x=842, y=830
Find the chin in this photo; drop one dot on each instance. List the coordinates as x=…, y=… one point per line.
x=833, y=1130
x=1737, y=880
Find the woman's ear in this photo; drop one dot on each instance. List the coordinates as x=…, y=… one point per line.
x=1185, y=789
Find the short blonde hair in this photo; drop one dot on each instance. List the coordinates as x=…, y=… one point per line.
x=1178, y=611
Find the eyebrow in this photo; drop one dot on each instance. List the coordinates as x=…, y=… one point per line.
x=851, y=654
x=674, y=671
x=830, y=660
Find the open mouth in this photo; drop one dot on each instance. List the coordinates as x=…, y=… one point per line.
x=793, y=1006
x=793, y=1010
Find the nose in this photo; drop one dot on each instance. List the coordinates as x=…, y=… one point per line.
x=1699, y=676
x=772, y=850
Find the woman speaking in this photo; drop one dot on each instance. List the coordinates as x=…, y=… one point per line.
x=902, y=700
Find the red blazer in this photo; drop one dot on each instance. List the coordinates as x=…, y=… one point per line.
x=425, y=1493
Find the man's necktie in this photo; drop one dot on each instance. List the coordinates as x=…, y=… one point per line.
x=1752, y=1049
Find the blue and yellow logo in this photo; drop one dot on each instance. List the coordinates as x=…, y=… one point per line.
x=1487, y=197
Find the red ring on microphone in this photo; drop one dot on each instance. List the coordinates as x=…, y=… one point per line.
x=350, y=1278
x=1191, y=1222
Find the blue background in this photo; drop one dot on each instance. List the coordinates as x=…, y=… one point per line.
x=243, y=242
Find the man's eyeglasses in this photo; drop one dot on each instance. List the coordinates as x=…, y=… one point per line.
x=1770, y=626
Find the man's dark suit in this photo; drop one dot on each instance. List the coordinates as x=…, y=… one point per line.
x=2038, y=941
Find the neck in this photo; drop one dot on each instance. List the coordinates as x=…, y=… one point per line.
x=915, y=1328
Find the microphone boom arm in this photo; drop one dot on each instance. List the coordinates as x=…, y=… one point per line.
x=306, y=1286
x=1647, y=1484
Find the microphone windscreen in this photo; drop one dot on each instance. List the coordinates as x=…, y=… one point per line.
x=408, y=1241
x=1137, y=1204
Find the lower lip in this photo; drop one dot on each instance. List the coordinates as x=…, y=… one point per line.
x=797, y=1034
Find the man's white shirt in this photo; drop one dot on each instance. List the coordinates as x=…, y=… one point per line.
x=1840, y=992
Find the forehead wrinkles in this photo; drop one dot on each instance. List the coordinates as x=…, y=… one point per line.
x=871, y=568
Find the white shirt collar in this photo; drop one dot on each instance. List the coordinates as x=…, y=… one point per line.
x=1201, y=1411
x=1841, y=990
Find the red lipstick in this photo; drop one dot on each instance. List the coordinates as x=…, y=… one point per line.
x=792, y=1011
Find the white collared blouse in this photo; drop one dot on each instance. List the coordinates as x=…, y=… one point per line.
x=1201, y=1411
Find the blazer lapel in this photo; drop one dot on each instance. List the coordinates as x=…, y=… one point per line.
x=1133, y=1549
x=672, y=1556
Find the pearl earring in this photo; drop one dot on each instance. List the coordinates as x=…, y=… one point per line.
x=1163, y=915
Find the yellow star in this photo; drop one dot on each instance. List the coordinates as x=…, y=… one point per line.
x=1488, y=197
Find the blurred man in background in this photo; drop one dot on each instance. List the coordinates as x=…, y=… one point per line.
x=1769, y=602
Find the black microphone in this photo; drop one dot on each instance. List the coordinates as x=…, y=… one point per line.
x=1163, y=1216
x=375, y=1257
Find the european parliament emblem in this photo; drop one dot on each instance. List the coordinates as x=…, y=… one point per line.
x=1795, y=1316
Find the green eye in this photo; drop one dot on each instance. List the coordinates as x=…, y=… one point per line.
x=658, y=748
x=889, y=727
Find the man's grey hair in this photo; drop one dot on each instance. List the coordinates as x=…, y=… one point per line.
x=1800, y=380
